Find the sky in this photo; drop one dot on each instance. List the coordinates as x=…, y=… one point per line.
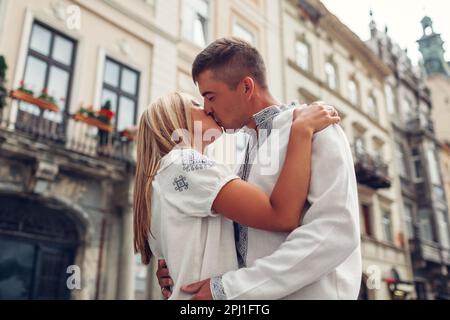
x=401, y=16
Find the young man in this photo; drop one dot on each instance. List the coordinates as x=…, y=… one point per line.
x=321, y=259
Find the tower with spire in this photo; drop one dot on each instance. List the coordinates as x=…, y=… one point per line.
x=431, y=46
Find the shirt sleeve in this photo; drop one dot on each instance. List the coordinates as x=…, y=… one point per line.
x=194, y=181
x=328, y=236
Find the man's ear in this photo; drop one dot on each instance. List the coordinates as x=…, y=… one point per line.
x=248, y=86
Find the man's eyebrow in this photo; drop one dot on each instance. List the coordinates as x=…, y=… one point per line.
x=206, y=93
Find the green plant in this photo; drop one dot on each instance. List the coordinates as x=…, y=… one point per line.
x=3, y=91
x=105, y=114
x=45, y=96
x=23, y=88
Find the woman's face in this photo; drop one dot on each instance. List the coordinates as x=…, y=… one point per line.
x=205, y=127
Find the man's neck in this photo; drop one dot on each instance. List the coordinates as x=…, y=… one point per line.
x=262, y=102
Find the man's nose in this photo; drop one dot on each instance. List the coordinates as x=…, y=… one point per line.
x=207, y=109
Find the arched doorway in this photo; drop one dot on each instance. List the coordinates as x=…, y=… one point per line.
x=37, y=244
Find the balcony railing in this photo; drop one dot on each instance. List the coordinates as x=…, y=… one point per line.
x=417, y=125
x=370, y=170
x=62, y=130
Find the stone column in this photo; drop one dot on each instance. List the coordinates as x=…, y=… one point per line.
x=126, y=281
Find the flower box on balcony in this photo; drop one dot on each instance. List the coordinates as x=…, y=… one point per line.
x=25, y=97
x=93, y=122
x=129, y=134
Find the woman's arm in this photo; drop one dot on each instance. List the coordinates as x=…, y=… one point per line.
x=249, y=205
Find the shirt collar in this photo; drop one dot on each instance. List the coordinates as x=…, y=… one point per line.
x=264, y=115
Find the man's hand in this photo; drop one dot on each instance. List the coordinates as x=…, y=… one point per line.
x=164, y=279
x=199, y=290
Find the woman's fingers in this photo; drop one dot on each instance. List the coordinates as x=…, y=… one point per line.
x=161, y=273
x=166, y=293
x=165, y=282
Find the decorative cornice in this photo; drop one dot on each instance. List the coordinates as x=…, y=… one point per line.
x=323, y=85
x=339, y=31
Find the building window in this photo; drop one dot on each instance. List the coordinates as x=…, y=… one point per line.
x=426, y=230
x=409, y=220
x=399, y=155
x=443, y=229
x=121, y=88
x=50, y=66
x=417, y=164
x=360, y=146
x=367, y=219
x=390, y=102
x=195, y=21
x=372, y=107
x=302, y=55
x=433, y=166
x=243, y=33
x=386, y=221
x=353, y=92
x=331, y=75
x=407, y=110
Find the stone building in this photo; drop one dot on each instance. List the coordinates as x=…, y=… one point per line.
x=416, y=150
x=66, y=185
x=324, y=60
x=437, y=70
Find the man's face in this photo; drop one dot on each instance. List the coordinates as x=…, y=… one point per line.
x=228, y=107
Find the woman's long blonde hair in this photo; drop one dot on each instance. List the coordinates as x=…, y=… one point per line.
x=159, y=121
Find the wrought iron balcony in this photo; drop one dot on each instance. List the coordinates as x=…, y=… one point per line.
x=418, y=125
x=66, y=132
x=370, y=170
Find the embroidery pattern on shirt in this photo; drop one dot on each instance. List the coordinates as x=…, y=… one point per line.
x=180, y=184
x=217, y=290
x=264, y=121
x=192, y=161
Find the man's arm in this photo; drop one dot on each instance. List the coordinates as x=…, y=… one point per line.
x=329, y=235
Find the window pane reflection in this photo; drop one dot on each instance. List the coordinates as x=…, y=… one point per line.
x=40, y=40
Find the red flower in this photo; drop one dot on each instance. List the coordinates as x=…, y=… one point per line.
x=390, y=280
x=22, y=83
x=107, y=113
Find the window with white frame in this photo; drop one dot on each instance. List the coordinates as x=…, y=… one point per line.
x=245, y=34
x=302, y=55
x=360, y=146
x=426, y=230
x=49, y=67
x=443, y=229
x=366, y=213
x=400, y=158
x=372, y=108
x=390, y=102
x=353, y=92
x=195, y=21
x=407, y=110
x=121, y=89
x=386, y=221
x=408, y=208
x=331, y=75
x=433, y=166
x=417, y=164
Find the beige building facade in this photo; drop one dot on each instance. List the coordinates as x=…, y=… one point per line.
x=85, y=52
x=326, y=61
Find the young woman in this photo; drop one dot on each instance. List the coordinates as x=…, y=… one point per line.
x=184, y=202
